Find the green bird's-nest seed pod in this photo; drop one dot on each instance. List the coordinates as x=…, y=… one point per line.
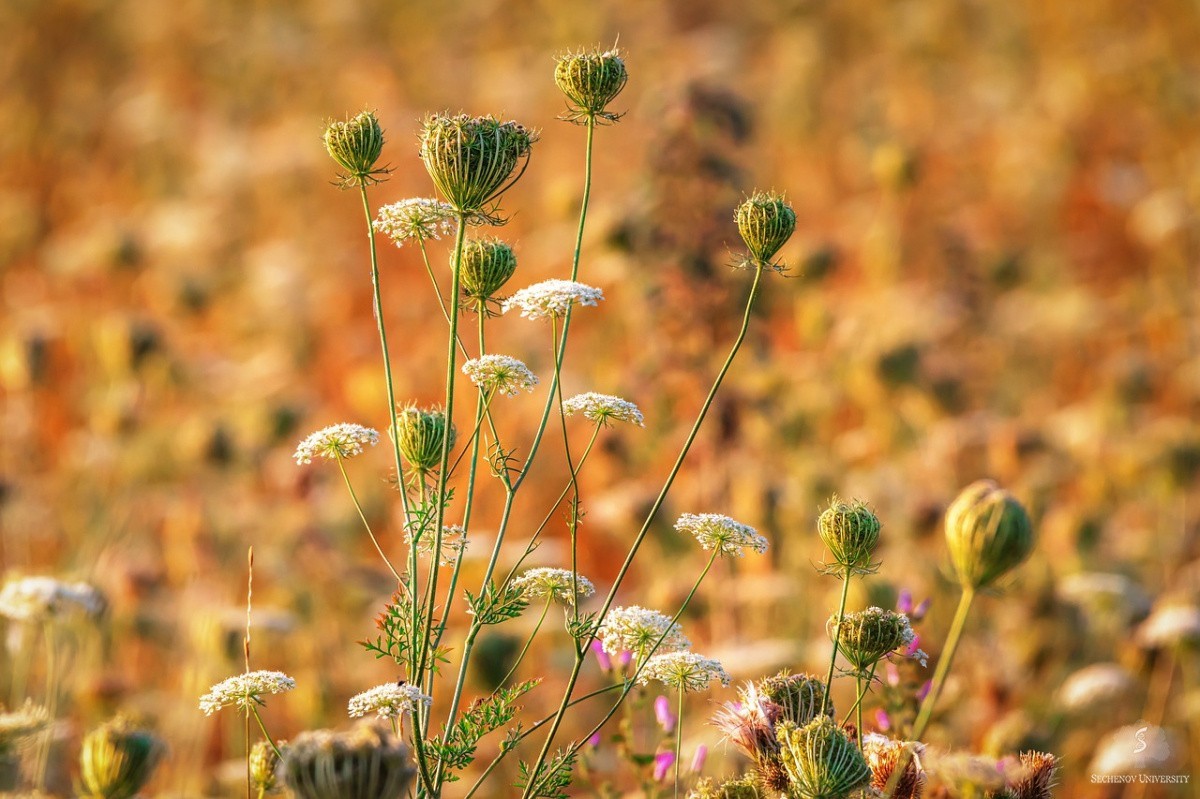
x=368, y=762
x=865, y=637
x=850, y=531
x=765, y=222
x=356, y=145
x=423, y=433
x=801, y=696
x=116, y=760
x=472, y=160
x=487, y=264
x=821, y=761
x=591, y=80
x=740, y=788
x=264, y=767
x=988, y=534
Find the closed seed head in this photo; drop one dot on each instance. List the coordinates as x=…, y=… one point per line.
x=765, y=222
x=422, y=433
x=591, y=80
x=988, y=534
x=116, y=759
x=356, y=144
x=472, y=160
x=820, y=760
x=487, y=264
x=850, y=531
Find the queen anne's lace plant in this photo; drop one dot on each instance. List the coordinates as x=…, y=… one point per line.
x=336, y=442
x=454, y=543
x=1100, y=685
x=551, y=298
x=244, y=691
x=388, y=701
x=558, y=583
x=44, y=598
x=418, y=218
x=686, y=670
x=721, y=533
x=502, y=374
x=603, y=408
x=636, y=629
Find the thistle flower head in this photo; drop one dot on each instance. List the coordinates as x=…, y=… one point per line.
x=356, y=145
x=45, y=598
x=591, y=80
x=800, y=697
x=1034, y=779
x=417, y=219
x=686, y=670
x=1171, y=624
x=988, y=534
x=883, y=755
x=422, y=433
x=850, y=531
x=388, y=701
x=551, y=298
x=865, y=637
x=561, y=584
x=602, y=409
x=637, y=630
x=486, y=266
x=116, y=759
x=471, y=160
x=336, y=442
x=721, y=533
x=264, y=767
x=17, y=725
x=765, y=222
x=454, y=543
x=501, y=374
x=1100, y=685
x=749, y=724
x=243, y=691
x=820, y=760
x=368, y=762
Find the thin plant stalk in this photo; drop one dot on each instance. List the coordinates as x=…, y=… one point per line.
x=358, y=506
x=529, y=641
x=574, y=483
x=678, y=737
x=836, y=628
x=862, y=694
x=266, y=735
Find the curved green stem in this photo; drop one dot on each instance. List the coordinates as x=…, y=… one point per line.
x=862, y=694
x=836, y=627
x=574, y=480
x=357, y=506
x=263, y=727
x=529, y=642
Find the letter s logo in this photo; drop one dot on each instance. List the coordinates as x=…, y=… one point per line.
x=1140, y=737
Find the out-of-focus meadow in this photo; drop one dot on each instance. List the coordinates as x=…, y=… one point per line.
x=994, y=274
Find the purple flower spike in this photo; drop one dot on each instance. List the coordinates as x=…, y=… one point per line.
x=662, y=712
x=913, y=646
x=699, y=758
x=662, y=765
x=904, y=603
x=921, y=609
x=601, y=656
x=883, y=720
x=594, y=741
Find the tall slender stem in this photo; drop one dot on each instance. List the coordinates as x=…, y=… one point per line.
x=357, y=506
x=836, y=627
x=263, y=727
x=678, y=737
x=529, y=641
x=574, y=480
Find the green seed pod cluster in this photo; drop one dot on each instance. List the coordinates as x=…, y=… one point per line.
x=802, y=696
x=741, y=788
x=356, y=145
x=264, y=767
x=988, y=534
x=821, y=762
x=422, y=433
x=472, y=160
x=116, y=760
x=487, y=264
x=591, y=80
x=850, y=531
x=368, y=762
x=765, y=222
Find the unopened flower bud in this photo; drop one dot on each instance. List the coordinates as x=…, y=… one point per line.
x=988, y=533
x=471, y=160
x=117, y=759
x=356, y=145
x=820, y=760
x=487, y=264
x=850, y=532
x=801, y=697
x=765, y=222
x=591, y=80
x=264, y=763
x=422, y=434
x=865, y=637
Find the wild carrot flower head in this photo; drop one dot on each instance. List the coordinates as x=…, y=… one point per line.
x=422, y=433
x=850, y=532
x=686, y=670
x=800, y=697
x=454, y=543
x=418, y=219
x=988, y=534
x=487, y=264
x=820, y=760
x=721, y=533
x=243, y=691
x=471, y=160
x=637, y=630
x=883, y=755
x=551, y=298
x=356, y=145
x=367, y=762
x=591, y=80
x=336, y=442
x=116, y=759
x=561, y=584
x=16, y=725
x=1171, y=624
x=865, y=637
x=1100, y=685
x=765, y=222
x=45, y=598
x=603, y=408
x=501, y=374
x=388, y=701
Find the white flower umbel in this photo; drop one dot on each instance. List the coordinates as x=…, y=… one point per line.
x=543, y=582
x=636, y=629
x=418, y=218
x=454, y=543
x=1171, y=624
x=551, y=298
x=338, y=441
x=243, y=691
x=721, y=533
x=686, y=670
x=1100, y=685
x=45, y=598
x=500, y=373
x=388, y=701
x=603, y=408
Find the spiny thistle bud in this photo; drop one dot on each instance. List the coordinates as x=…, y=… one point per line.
x=472, y=159
x=116, y=760
x=422, y=433
x=988, y=534
x=368, y=762
x=850, y=532
x=264, y=767
x=765, y=222
x=740, y=788
x=865, y=637
x=356, y=145
x=883, y=755
x=821, y=761
x=801, y=696
x=1035, y=780
x=487, y=264
x=590, y=80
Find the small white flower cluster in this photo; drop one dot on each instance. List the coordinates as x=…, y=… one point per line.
x=1171, y=624
x=454, y=543
x=551, y=298
x=388, y=701
x=42, y=598
x=726, y=536
x=418, y=218
x=685, y=670
x=636, y=629
x=602, y=408
x=1097, y=685
x=243, y=691
x=336, y=442
x=500, y=373
x=557, y=583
